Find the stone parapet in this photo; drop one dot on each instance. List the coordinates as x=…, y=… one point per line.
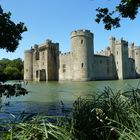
x=86, y=33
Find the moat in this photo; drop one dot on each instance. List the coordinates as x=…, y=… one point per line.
x=46, y=97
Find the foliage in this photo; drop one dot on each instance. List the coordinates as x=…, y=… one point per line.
x=37, y=128
x=11, y=69
x=10, y=33
x=126, y=9
x=104, y=117
x=129, y=133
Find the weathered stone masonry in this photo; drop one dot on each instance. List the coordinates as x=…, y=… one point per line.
x=46, y=63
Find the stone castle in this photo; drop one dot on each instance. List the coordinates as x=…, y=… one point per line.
x=46, y=63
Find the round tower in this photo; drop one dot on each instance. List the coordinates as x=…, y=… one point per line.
x=28, y=65
x=137, y=61
x=82, y=55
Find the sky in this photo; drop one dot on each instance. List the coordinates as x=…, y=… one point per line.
x=56, y=19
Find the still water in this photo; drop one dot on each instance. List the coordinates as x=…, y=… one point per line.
x=47, y=96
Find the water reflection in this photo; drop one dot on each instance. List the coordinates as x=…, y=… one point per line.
x=46, y=96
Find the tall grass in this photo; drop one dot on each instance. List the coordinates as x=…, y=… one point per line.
x=106, y=116
x=37, y=128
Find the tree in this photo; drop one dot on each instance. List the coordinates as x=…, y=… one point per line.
x=12, y=73
x=10, y=33
x=11, y=69
x=126, y=9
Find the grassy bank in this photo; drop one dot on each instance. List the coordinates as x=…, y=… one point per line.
x=106, y=116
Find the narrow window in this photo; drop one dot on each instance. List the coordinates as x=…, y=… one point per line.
x=107, y=62
x=107, y=70
x=117, y=52
x=132, y=68
x=43, y=55
x=37, y=55
x=82, y=41
x=64, y=67
x=26, y=70
x=82, y=65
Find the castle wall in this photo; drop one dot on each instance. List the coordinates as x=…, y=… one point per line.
x=103, y=67
x=65, y=69
x=131, y=68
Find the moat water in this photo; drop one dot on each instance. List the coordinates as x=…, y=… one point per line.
x=46, y=97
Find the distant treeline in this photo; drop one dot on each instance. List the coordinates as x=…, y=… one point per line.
x=11, y=69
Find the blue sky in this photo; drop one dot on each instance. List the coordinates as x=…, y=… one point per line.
x=56, y=19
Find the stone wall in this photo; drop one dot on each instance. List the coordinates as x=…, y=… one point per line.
x=65, y=67
x=103, y=67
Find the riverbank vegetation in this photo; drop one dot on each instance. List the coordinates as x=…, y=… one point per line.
x=105, y=116
x=11, y=69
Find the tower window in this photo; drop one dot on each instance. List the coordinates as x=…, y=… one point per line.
x=37, y=55
x=64, y=67
x=42, y=55
x=107, y=62
x=108, y=70
x=82, y=41
x=82, y=65
x=117, y=52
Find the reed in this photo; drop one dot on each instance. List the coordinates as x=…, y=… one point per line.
x=106, y=116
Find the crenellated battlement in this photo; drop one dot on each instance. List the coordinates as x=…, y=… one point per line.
x=49, y=44
x=112, y=38
x=65, y=54
x=82, y=33
x=28, y=51
x=121, y=41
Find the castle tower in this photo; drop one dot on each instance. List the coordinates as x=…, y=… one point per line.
x=52, y=61
x=28, y=65
x=121, y=59
x=112, y=45
x=131, y=51
x=46, y=61
x=137, y=61
x=82, y=55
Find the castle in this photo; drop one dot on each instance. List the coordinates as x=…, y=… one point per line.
x=46, y=63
